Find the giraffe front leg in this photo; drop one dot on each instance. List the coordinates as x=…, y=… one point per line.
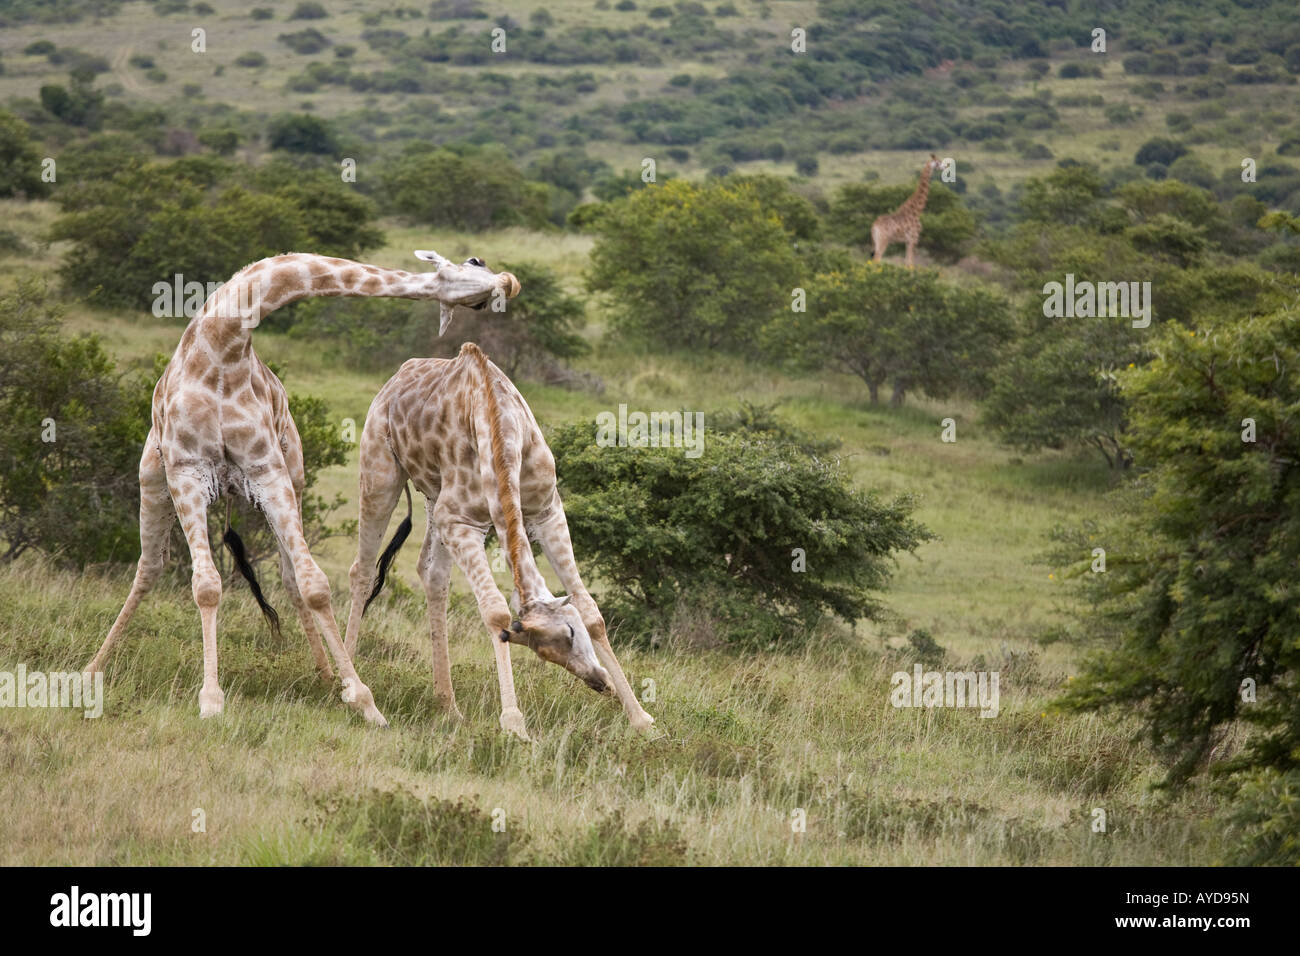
x=466, y=546
x=553, y=535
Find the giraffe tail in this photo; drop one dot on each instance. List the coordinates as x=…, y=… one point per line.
x=236, y=546
x=390, y=552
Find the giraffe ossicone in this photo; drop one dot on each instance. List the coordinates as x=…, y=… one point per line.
x=460, y=432
x=221, y=426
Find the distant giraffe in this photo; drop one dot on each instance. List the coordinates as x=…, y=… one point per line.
x=460, y=431
x=904, y=223
x=221, y=425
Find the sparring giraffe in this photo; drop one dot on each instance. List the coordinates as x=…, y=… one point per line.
x=460, y=431
x=904, y=223
x=221, y=426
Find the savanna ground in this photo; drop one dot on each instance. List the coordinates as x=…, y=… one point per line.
x=288, y=775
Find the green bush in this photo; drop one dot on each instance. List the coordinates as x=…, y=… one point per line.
x=689, y=265
x=901, y=327
x=538, y=328
x=947, y=226
x=71, y=442
x=1198, y=596
x=308, y=10
x=300, y=133
x=757, y=536
x=305, y=42
x=1267, y=820
x=20, y=160
x=471, y=189
x=148, y=222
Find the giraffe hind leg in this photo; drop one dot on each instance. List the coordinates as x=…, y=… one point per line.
x=156, y=518
x=304, y=616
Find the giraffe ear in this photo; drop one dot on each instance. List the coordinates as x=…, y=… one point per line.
x=428, y=255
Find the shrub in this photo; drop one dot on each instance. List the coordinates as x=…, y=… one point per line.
x=689, y=265
x=305, y=42
x=147, y=222
x=538, y=328
x=470, y=189
x=897, y=326
x=947, y=226
x=308, y=10
x=72, y=440
x=726, y=534
x=20, y=160
x=1159, y=150
x=300, y=133
x=1202, y=601
x=250, y=59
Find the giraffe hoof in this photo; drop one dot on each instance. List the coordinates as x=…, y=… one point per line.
x=357, y=696
x=643, y=723
x=211, y=702
x=512, y=722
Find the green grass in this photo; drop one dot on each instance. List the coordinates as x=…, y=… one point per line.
x=288, y=775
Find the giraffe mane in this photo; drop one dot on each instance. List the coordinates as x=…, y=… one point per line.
x=515, y=543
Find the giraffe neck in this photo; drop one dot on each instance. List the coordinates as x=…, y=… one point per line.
x=528, y=580
x=916, y=201
x=230, y=314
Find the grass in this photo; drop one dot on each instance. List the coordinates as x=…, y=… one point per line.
x=288, y=775
x=749, y=744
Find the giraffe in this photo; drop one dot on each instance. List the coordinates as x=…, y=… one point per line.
x=460, y=431
x=904, y=223
x=221, y=426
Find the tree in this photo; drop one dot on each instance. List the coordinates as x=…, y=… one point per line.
x=538, y=329
x=728, y=533
x=1198, y=598
x=897, y=326
x=300, y=133
x=1060, y=388
x=150, y=222
x=71, y=443
x=947, y=225
x=471, y=189
x=691, y=265
x=20, y=163
x=1073, y=195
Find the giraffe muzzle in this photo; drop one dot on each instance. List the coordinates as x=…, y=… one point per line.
x=509, y=285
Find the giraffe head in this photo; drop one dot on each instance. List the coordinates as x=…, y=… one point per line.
x=471, y=284
x=935, y=163
x=553, y=628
